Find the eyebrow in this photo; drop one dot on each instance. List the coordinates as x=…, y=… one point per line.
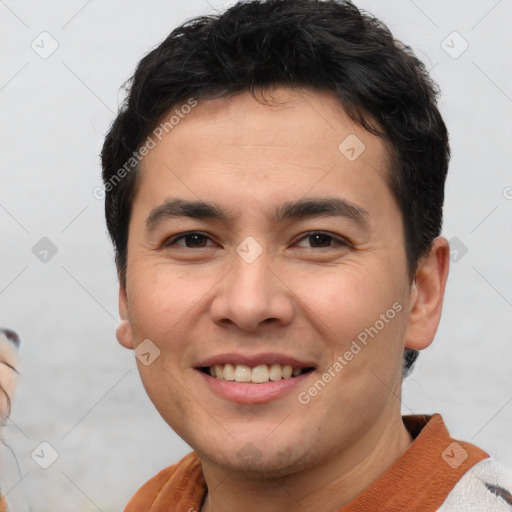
x=301, y=209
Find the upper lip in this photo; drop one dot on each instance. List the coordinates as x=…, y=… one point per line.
x=255, y=360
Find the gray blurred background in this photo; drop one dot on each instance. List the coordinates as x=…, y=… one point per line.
x=61, y=68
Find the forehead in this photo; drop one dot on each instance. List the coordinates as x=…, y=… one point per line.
x=244, y=120
x=296, y=142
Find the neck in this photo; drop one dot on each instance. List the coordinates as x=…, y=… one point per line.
x=326, y=487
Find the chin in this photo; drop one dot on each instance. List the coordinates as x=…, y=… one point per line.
x=258, y=456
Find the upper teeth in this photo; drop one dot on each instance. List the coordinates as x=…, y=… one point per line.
x=257, y=374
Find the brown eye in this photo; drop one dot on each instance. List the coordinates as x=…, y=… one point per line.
x=320, y=240
x=191, y=240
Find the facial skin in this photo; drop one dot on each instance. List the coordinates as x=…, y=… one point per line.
x=304, y=296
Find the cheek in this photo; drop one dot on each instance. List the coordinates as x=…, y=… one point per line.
x=361, y=317
x=351, y=298
x=164, y=306
x=171, y=396
x=161, y=300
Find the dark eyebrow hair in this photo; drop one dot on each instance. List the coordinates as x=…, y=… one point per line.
x=303, y=208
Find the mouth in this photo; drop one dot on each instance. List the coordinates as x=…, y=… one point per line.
x=259, y=374
x=247, y=378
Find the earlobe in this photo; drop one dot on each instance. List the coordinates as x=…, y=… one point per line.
x=427, y=294
x=124, y=332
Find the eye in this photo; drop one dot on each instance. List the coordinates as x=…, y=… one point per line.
x=195, y=239
x=322, y=240
x=191, y=239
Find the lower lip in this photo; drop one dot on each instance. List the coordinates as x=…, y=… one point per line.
x=247, y=393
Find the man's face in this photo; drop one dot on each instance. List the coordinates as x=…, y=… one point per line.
x=254, y=289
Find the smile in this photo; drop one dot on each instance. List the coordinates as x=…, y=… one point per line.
x=259, y=374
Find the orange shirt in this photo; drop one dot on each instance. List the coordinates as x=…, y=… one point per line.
x=417, y=482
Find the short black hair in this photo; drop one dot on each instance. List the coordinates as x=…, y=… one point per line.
x=325, y=45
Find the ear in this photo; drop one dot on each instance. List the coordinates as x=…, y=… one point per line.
x=427, y=294
x=124, y=333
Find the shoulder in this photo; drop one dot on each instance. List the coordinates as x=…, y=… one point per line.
x=172, y=482
x=485, y=487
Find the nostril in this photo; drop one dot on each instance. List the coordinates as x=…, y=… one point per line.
x=11, y=335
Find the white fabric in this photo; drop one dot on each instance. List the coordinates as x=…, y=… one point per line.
x=471, y=494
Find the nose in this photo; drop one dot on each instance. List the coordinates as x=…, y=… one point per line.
x=252, y=294
x=11, y=335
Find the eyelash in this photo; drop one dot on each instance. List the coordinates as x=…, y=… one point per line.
x=172, y=240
